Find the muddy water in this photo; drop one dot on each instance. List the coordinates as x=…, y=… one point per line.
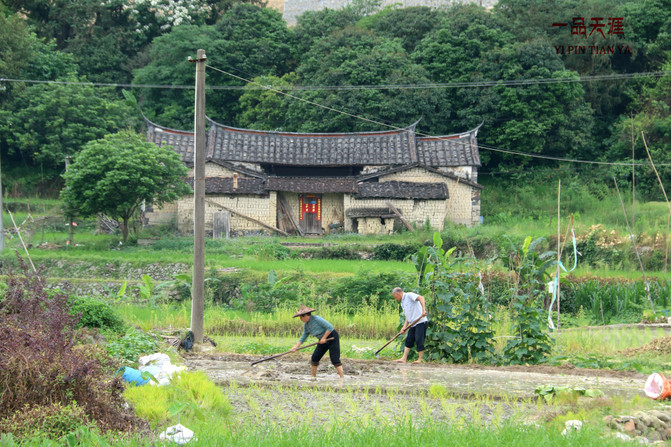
x=516, y=383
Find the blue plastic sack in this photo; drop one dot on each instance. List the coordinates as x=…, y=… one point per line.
x=132, y=375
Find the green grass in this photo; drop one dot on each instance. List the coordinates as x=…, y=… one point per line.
x=402, y=434
x=190, y=395
x=351, y=348
x=608, y=342
x=370, y=322
x=269, y=333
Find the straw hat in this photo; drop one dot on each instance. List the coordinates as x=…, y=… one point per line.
x=303, y=310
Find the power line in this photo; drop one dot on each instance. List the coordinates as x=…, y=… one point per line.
x=278, y=89
x=424, y=86
x=303, y=99
x=566, y=160
x=403, y=129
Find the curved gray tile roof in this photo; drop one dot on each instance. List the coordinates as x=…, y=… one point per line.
x=223, y=185
x=385, y=148
x=449, y=150
x=312, y=185
x=402, y=190
x=312, y=149
x=180, y=140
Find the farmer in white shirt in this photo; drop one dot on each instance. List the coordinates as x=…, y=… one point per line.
x=414, y=307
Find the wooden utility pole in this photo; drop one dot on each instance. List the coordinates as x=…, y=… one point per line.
x=198, y=282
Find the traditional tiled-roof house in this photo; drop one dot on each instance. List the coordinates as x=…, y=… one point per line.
x=312, y=183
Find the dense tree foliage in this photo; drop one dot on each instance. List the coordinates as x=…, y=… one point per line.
x=42, y=123
x=335, y=58
x=248, y=41
x=114, y=175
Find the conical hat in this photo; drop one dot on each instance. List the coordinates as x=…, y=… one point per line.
x=303, y=310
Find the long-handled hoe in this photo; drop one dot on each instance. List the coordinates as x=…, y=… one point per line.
x=288, y=352
x=396, y=336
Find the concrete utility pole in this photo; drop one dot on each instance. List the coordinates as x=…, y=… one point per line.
x=71, y=226
x=2, y=228
x=198, y=282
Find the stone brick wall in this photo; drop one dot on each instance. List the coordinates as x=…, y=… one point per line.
x=333, y=210
x=260, y=208
x=463, y=205
x=412, y=210
x=375, y=225
x=162, y=215
x=215, y=170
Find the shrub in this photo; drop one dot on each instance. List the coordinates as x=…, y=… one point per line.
x=531, y=344
x=50, y=421
x=39, y=360
x=353, y=290
x=269, y=251
x=337, y=252
x=94, y=313
x=393, y=252
x=459, y=328
x=133, y=344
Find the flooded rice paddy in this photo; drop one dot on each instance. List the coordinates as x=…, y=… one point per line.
x=374, y=391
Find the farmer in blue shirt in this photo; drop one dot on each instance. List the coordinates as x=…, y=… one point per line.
x=414, y=307
x=322, y=329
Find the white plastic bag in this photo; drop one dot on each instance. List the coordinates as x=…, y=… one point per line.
x=178, y=434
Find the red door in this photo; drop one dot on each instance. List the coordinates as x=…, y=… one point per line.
x=311, y=213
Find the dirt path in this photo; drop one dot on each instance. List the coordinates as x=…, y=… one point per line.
x=293, y=371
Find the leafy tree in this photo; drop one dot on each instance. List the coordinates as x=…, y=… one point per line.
x=315, y=25
x=410, y=25
x=248, y=41
x=219, y=7
x=106, y=36
x=453, y=52
x=549, y=119
x=265, y=109
x=653, y=118
x=253, y=42
x=114, y=175
x=16, y=43
x=473, y=45
x=47, y=122
x=355, y=57
x=169, y=66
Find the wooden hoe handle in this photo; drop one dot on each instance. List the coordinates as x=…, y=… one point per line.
x=397, y=335
x=288, y=352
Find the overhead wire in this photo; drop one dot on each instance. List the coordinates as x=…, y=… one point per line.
x=443, y=85
x=403, y=129
x=250, y=84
